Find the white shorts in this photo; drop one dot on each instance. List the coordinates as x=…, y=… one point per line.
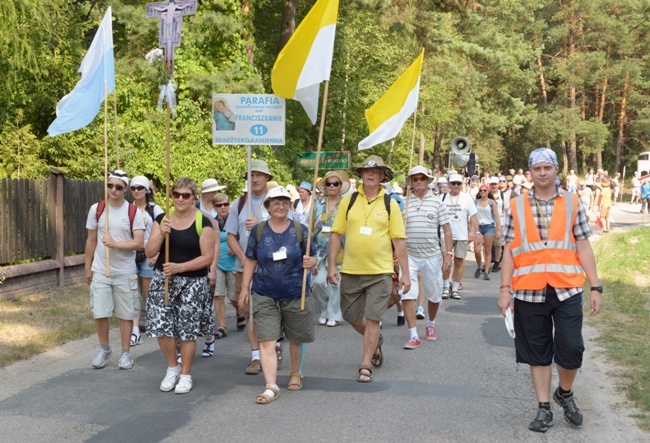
x=119, y=293
x=431, y=270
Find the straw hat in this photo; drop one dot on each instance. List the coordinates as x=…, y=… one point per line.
x=343, y=177
x=419, y=170
x=374, y=161
x=211, y=185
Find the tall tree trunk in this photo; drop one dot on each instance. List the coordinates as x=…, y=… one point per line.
x=437, y=148
x=542, y=82
x=571, y=149
x=247, y=30
x=288, y=24
x=421, y=150
x=345, y=98
x=601, y=112
x=565, y=158
x=622, y=122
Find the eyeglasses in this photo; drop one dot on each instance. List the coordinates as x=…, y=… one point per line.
x=455, y=183
x=280, y=203
x=418, y=178
x=182, y=195
x=137, y=188
x=502, y=181
x=221, y=205
x=118, y=187
x=335, y=184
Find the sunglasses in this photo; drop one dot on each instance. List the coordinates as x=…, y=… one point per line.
x=182, y=195
x=502, y=181
x=482, y=190
x=118, y=187
x=455, y=183
x=137, y=188
x=221, y=205
x=335, y=184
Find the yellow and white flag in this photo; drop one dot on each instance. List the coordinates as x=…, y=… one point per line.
x=387, y=116
x=306, y=60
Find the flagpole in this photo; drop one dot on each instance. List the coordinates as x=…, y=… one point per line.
x=106, y=205
x=249, y=199
x=117, y=151
x=408, y=192
x=167, y=173
x=311, y=198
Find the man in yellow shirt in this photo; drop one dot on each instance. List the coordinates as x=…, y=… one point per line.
x=372, y=225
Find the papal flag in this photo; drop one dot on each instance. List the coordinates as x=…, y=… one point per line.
x=80, y=107
x=306, y=59
x=387, y=116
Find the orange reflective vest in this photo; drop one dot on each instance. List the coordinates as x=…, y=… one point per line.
x=553, y=263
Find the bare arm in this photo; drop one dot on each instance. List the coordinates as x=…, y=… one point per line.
x=91, y=245
x=132, y=245
x=402, y=258
x=249, y=266
x=507, y=269
x=235, y=247
x=473, y=227
x=588, y=262
x=449, y=246
x=332, y=273
x=497, y=220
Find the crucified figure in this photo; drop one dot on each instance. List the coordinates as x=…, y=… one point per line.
x=171, y=15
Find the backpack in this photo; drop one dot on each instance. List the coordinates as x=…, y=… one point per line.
x=295, y=204
x=353, y=198
x=296, y=225
x=132, y=211
x=198, y=224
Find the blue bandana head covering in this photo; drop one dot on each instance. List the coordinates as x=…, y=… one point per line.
x=543, y=155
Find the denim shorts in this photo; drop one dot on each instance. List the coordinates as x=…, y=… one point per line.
x=143, y=269
x=486, y=229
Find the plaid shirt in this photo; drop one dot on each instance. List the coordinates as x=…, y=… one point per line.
x=581, y=231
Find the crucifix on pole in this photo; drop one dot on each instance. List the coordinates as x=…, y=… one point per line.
x=171, y=14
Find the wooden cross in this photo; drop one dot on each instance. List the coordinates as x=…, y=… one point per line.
x=171, y=14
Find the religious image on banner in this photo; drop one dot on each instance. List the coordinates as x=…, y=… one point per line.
x=224, y=118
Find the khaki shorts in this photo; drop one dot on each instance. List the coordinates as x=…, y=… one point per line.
x=499, y=242
x=274, y=319
x=119, y=293
x=365, y=296
x=460, y=248
x=226, y=285
x=604, y=212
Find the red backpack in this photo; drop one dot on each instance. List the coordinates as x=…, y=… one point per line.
x=132, y=211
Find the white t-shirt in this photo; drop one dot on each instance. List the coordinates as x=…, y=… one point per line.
x=301, y=212
x=122, y=261
x=460, y=209
x=148, y=221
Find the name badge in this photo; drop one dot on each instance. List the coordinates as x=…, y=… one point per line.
x=281, y=254
x=365, y=230
x=326, y=229
x=248, y=233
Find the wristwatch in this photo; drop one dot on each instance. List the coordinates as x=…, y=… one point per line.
x=449, y=252
x=597, y=288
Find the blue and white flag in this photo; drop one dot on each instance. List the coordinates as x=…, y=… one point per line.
x=81, y=106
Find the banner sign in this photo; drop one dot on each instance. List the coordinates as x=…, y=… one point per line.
x=328, y=160
x=248, y=119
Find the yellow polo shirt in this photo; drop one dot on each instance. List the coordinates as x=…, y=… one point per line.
x=368, y=254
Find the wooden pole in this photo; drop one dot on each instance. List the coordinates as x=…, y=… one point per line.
x=117, y=149
x=167, y=184
x=106, y=205
x=311, y=199
x=249, y=204
x=408, y=192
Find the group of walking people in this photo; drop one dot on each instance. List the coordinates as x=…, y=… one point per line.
x=364, y=252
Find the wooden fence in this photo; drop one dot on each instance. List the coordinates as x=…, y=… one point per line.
x=43, y=222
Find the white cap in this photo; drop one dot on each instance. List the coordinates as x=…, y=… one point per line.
x=278, y=192
x=442, y=180
x=456, y=178
x=120, y=175
x=398, y=190
x=493, y=180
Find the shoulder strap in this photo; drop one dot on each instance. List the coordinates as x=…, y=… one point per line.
x=133, y=210
x=443, y=196
x=198, y=222
x=295, y=203
x=353, y=198
x=298, y=227
x=241, y=202
x=100, y=209
x=259, y=229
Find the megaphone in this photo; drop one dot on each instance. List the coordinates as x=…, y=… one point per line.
x=460, y=147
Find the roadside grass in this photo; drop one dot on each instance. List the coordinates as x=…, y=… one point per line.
x=623, y=261
x=33, y=324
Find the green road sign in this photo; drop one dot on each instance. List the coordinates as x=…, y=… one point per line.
x=328, y=160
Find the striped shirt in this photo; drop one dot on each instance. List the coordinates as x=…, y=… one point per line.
x=424, y=218
x=581, y=231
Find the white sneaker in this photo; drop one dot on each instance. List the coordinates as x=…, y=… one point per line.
x=126, y=361
x=420, y=313
x=322, y=320
x=171, y=378
x=100, y=360
x=136, y=340
x=184, y=385
x=332, y=323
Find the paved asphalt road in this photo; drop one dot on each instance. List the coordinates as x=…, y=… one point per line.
x=464, y=387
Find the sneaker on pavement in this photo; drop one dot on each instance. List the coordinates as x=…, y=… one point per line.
x=254, y=367
x=420, y=314
x=332, y=323
x=136, y=340
x=412, y=343
x=445, y=293
x=495, y=267
x=431, y=333
x=126, y=361
x=455, y=295
x=572, y=414
x=208, y=349
x=322, y=320
x=184, y=385
x=401, y=321
x=486, y=276
x=543, y=420
x=171, y=378
x=478, y=271
x=100, y=359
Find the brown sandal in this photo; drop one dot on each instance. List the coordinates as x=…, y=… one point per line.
x=295, y=386
x=264, y=398
x=361, y=374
